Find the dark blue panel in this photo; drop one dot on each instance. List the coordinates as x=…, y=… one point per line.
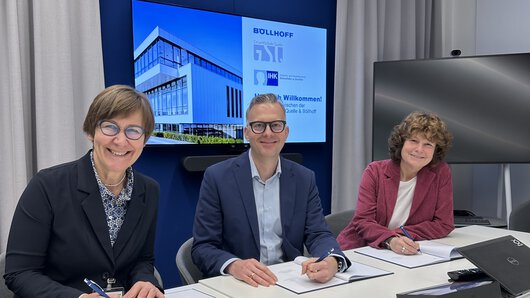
x=180, y=189
x=116, y=37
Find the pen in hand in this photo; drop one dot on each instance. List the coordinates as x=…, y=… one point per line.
x=406, y=234
x=94, y=286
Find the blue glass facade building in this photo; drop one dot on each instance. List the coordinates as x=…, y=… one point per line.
x=191, y=92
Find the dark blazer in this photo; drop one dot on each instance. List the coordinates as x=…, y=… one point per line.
x=226, y=222
x=59, y=234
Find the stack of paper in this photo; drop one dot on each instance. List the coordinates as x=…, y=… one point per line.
x=290, y=276
x=430, y=253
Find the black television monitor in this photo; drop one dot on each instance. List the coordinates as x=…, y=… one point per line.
x=201, y=68
x=485, y=101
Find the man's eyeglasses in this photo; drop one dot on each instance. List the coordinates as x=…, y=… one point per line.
x=276, y=126
x=109, y=128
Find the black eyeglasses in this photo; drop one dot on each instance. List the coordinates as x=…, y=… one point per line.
x=276, y=126
x=110, y=128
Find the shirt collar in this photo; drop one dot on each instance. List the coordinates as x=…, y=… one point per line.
x=126, y=192
x=254, y=170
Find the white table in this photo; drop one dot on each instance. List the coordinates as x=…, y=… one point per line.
x=192, y=291
x=402, y=280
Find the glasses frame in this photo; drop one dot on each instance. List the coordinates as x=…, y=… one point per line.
x=251, y=124
x=100, y=122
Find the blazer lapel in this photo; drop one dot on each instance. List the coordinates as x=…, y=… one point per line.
x=92, y=204
x=242, y=174
x=135, y=212
x=287, y=197
x=390, y=187
x=424, y=180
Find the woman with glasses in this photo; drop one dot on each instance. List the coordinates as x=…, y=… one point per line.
x=94, y=218
x=408, y=197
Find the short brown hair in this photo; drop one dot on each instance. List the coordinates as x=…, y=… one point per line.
x=119, y=101
x=426, y=124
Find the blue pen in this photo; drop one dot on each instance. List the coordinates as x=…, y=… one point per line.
x=405, y=232
x=322, y=257
x=94, y=286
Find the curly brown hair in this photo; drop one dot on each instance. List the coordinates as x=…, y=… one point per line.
x=427, y=124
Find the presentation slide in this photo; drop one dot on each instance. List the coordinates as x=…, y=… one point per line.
x=290, y=61
x=200, y=70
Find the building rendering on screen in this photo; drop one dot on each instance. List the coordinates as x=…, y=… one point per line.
x=191, y=92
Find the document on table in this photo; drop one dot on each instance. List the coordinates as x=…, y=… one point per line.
x=290, y=276
x=189, y=291
x=431, y=253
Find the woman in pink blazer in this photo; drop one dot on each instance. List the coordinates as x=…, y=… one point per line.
x=411, y=193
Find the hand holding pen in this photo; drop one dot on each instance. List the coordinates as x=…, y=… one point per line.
x=320, y=269
x=408, y=246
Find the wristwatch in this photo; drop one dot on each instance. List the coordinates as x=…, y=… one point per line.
x=386, y=243
x=339, y=263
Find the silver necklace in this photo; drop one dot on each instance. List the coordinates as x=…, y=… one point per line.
x=121, y=180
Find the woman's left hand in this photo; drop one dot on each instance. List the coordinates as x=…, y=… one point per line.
x=143, y=289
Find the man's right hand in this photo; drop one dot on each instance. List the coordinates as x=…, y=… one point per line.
x=252, y=272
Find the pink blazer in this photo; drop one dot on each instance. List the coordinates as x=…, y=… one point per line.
x=431, y=214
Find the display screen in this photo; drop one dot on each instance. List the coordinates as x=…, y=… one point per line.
x=484, y=100
x=200, y=69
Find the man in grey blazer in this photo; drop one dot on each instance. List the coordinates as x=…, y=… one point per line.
x=259, y=209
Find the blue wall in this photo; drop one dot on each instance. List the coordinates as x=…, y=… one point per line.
x=179, y=188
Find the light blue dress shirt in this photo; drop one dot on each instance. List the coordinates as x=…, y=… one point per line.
x=267, y=197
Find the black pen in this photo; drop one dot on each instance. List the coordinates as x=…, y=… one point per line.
x=322, y=257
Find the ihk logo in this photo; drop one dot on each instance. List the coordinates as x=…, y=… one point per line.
x=268, y=53
x=265, y=77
